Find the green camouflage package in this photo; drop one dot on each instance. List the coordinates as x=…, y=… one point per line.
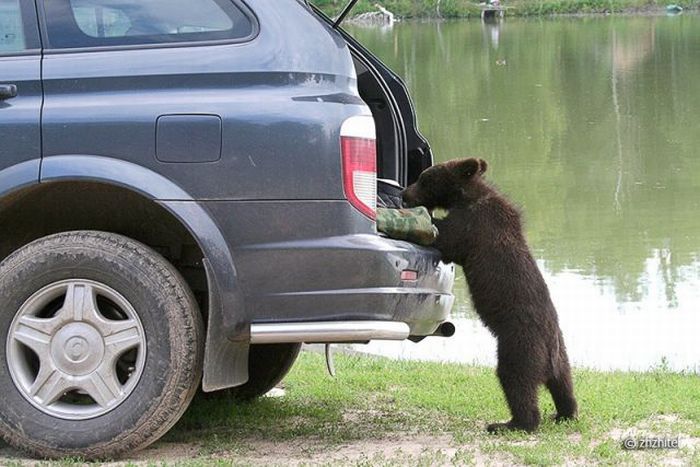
x=414, y=225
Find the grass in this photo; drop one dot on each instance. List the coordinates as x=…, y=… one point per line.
x=467, y=8
x=383, y=412
x=375, y=398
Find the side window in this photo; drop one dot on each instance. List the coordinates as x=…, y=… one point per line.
x=12, y=38
x=100, y=22
x=104, y=23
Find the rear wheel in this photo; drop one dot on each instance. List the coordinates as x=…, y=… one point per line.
x=102, y=346
x=268, y=364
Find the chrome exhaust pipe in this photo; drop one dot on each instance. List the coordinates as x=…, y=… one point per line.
x=324, y=332
x=446, y=329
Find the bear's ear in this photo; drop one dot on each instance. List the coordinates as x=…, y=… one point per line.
x=466, y=168
x=483, y=165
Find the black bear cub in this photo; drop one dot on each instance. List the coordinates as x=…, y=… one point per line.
x=482, y=232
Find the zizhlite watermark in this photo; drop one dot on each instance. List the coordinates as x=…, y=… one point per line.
x=632, y=444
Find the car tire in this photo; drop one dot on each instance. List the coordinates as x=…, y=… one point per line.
x=119, y=331
x=268, y=364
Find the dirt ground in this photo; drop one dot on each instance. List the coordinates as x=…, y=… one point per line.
x=397, y=449
x=394, y=450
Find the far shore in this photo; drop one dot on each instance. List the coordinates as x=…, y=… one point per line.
x=520, y=8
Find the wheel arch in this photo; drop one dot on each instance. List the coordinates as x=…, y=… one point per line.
x=153, y=210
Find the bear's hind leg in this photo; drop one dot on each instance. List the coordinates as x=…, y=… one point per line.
x=561, y=386
x=520, y=389
x=562, y=390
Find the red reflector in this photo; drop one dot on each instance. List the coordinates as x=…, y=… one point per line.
x=408, y=275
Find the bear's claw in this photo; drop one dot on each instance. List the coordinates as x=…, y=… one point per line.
x=563, y=418
x=496, y=428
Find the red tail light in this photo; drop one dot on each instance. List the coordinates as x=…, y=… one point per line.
x=359, y=147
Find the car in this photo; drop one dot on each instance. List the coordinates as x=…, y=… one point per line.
x=188, y=192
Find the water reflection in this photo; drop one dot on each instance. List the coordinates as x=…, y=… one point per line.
x=591, y=125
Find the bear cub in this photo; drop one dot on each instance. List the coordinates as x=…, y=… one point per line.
x=482, y=232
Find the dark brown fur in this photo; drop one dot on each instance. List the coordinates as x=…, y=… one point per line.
x=483, y=233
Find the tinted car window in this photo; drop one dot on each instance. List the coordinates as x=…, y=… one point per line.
x=11, y=29
x=103, y=23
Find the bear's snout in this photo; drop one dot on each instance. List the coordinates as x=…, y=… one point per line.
x=409, y=197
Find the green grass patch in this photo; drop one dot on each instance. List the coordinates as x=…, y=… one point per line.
x=372, y=398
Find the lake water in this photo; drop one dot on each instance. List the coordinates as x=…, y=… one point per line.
x=592, y=125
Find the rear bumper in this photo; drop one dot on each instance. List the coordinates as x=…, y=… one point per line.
x=345, y=278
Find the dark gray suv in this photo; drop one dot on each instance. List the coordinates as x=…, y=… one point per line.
x=187, y=193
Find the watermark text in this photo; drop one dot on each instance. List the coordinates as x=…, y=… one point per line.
x=650, y=442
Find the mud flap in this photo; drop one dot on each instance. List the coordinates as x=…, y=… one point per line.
x=225, y=359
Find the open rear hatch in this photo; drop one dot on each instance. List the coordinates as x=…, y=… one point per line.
x=402, y=152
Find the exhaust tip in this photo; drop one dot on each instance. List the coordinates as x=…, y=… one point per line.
x=446, y=329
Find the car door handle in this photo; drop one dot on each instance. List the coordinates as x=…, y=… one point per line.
x=8, y=91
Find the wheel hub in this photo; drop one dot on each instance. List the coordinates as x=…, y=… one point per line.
x=76, y=349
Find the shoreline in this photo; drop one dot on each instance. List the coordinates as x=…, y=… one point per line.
x=517, y=9
x=352, y=350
